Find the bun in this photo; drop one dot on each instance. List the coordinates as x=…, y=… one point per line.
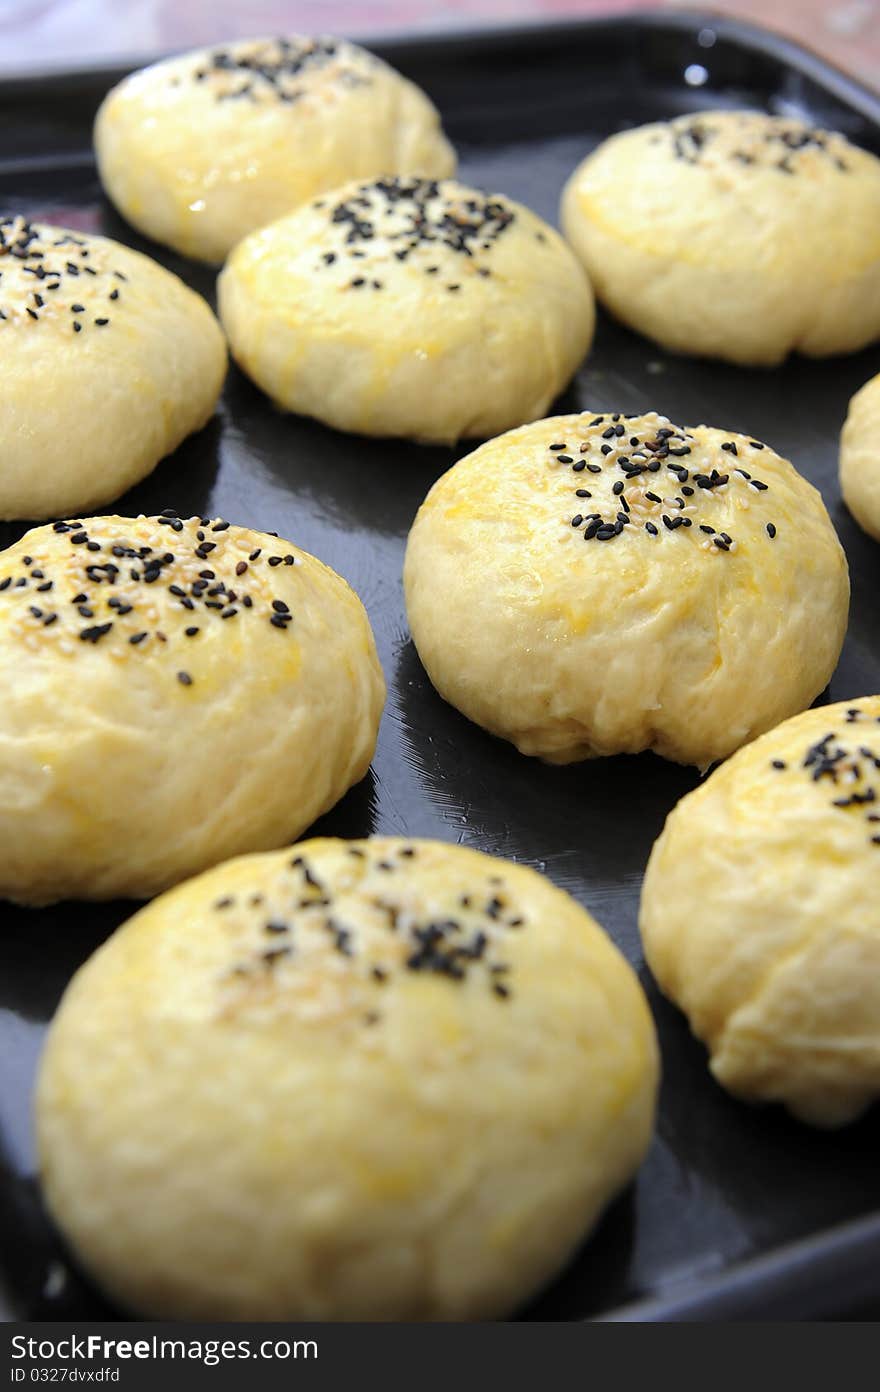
x=734, y=235
x=409, y=308
x=603, y=584
x=175, y=692
x=109, y=362
x=377, y=1080
x=860, y=458
x=759, y=914
x=199, y=150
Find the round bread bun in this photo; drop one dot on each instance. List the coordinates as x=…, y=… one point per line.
x=175, y=692
x=370, y=1080
x=733, y=234
x=409, y=307
x=109, y=362
x=760, y=914
x=199, y=150
x=860, y=458
x=604, y=584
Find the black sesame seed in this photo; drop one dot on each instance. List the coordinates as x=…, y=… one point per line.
x=95, y=633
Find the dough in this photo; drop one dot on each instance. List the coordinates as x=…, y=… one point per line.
x=760, y=914
x=175, y=692
x=409, y=307
x=733, y=234
x=603, y=584
x=860, y=458
x=109, y=362
x=374, y=1080
x=199, y=150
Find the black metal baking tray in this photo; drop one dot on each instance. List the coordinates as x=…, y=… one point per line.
x=736, y=1212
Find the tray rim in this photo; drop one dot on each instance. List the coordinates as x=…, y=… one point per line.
x=769, y=43
x=820, y=1262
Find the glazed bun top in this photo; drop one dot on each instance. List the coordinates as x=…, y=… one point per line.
x=199, y=150
x=67, y=281
x=774, y=173
x=146, y=581
x=432, y=246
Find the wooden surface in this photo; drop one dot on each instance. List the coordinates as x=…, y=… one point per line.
x=36, y=33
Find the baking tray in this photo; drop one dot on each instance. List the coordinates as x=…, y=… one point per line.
x=736, y=1212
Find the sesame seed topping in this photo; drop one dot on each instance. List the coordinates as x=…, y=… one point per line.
x=846, y=774
x=54, y=258
x=394, y=933
x=781, y=144
x=275, y=71
x=92, y=582
x=652, y=445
